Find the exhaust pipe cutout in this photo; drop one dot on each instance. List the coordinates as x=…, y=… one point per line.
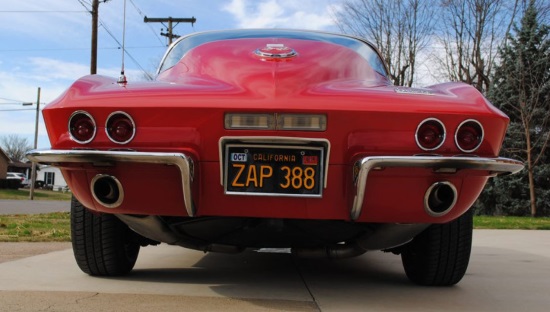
x=440, y=198
x=107, y=190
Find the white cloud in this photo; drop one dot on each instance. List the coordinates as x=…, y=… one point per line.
x=42, y=70
x=46, y=69
x=22, y=86
x=50, y=48
x=305, y=14
x=55, y=19
x=53, y=76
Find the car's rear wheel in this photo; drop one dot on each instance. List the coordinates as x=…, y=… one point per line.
x=439, y=255
x=102, y=244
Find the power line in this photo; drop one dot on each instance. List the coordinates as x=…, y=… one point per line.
x=80, y=49
x=125, y=50
x=12, y=100
x=143, y=16
x=170, y=20
x=17, y=109
x=84, y=5
x=60, y=11
x=19, y=103
x=96, y=21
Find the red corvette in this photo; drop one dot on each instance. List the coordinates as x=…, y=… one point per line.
x=274, y=138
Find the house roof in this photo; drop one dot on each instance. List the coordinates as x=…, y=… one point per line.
x=18, y=164
x=3, y=154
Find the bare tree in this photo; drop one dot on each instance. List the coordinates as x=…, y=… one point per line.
x=399, y=28
x=471, y=34
x=15, y=146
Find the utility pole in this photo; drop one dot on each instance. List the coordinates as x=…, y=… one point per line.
x=170, y=28
x=95, y=17
x=95, y=23
x=33, y=170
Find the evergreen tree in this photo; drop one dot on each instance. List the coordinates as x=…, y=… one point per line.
x=521, y=88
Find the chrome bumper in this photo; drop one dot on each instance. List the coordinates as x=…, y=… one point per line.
x=107, y=158
x=496, y=166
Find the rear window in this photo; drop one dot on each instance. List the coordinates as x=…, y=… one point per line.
x=363, y=48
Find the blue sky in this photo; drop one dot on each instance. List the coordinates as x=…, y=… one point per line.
x=46, y=43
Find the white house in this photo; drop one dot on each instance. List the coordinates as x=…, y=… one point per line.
x=52, y=177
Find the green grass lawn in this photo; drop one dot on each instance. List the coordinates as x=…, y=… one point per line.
x=47, y=227
x=55, y=227
x=23, y=194
x=511, y=223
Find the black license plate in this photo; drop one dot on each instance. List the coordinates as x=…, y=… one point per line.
x=274, y=170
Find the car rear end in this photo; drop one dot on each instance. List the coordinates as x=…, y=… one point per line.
x=303, y=157
x=269, y=138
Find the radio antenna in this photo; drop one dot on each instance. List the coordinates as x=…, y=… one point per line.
x=122, y=78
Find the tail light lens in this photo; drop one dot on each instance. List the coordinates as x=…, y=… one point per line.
x=469, y=135
x=430, y=134
x=120, y=127
x=82, y=127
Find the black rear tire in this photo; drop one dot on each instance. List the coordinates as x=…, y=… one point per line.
x=439, y=255
x=102, y=244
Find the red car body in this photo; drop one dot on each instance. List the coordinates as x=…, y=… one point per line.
x=275, y=138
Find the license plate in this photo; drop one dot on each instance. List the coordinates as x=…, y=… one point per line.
x=274, y=170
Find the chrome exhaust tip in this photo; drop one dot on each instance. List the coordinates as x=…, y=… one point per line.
x=107, y=190
x=440, y=198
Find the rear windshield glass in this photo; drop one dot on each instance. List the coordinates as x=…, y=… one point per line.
x=181, y=47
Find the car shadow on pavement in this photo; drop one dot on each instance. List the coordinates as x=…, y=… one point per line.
x=278, y=276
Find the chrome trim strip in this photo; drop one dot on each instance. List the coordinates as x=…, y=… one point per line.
x=282, y=55
x=276, y=140
x=416, y=91
x=497, y=166
x=182, y=161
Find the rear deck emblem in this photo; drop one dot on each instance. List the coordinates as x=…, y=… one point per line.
x=420, y=91
x=275, y=51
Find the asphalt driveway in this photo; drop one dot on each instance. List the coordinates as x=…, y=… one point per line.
x=8, y=206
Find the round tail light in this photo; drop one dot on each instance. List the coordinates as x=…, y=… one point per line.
x=430, y=134
x=469, y=135
x=82, y=127
x=120, y=127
